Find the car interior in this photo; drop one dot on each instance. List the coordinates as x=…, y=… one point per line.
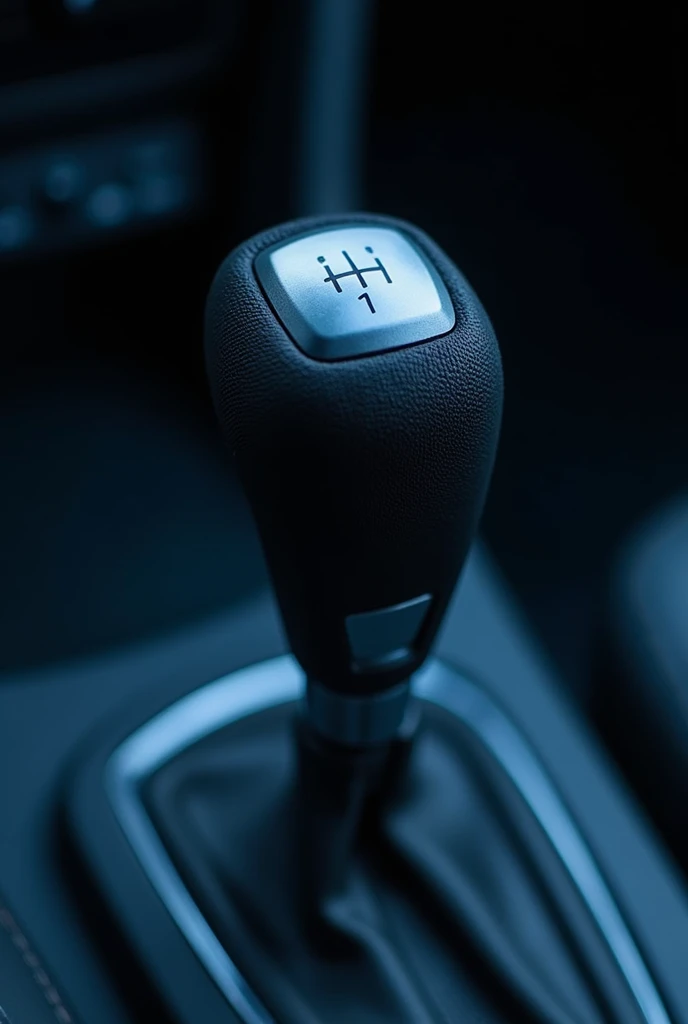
x=344, y=513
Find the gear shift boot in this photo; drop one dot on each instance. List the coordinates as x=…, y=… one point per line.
x=430, y=894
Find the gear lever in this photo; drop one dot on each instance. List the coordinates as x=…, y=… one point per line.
x=356, y=871
x=358, y=382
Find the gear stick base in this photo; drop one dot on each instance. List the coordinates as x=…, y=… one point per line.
x=450, y=897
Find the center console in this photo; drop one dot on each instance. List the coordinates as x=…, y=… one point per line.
x=363, y=828
x=592, y=819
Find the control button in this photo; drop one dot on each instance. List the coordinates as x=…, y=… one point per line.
x=354, y=290
x=153, y=155
x=160, y=193
x=110, y=205
x=63, y=183
x=386, y=636
x=16, y=227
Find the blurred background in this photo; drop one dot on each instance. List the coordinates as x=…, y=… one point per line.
x=544, y=148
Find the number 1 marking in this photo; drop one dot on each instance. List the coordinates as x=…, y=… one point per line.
x=368, y=299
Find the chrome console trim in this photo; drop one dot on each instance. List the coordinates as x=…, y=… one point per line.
x=278, y=681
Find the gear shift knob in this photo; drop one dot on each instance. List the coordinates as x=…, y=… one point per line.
x=357, y=380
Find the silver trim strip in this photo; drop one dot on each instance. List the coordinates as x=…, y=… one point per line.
x=273, y=682
x=357, y=721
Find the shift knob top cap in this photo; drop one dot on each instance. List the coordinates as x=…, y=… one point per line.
x=357, y=380
x=362, y=309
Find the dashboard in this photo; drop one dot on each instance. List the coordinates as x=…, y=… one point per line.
x=53, y=36
x=91, y=145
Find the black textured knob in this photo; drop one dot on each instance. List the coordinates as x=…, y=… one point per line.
x=358, y=382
